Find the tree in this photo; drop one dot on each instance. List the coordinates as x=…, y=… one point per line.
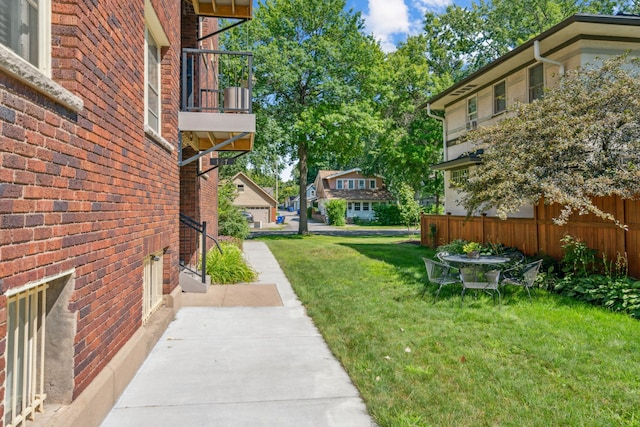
x=409, y=207
x=581, y=140
x=463, y=40
x=411, y=140
x=313, y=67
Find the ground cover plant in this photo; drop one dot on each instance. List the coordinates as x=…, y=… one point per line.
x=227, y=265
x=551, y=361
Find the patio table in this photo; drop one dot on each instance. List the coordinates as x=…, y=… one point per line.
x=482, y=260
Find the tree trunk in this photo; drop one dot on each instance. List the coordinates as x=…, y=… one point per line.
x=303, y=227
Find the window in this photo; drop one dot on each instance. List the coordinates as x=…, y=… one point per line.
x=240, y=188
x=152, y=285
x=154, y=40
x=499, y=98
x=349, y=206
x=24, y=390
x=459, y=176
x=365, y=206
x=361, y=183
x=536, y=82
x=152, y=88
x=372, y=183
x=339, y=184
x=472, y=110
x=356, y=206
x=351, y=184
x=25, y=28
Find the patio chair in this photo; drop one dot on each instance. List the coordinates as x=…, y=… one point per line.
x=522, y=275
x=477, y=278
x=454, y=271
x=440, y=274
x=516, y=257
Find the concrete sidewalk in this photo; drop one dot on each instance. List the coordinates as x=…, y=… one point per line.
x=242, y=366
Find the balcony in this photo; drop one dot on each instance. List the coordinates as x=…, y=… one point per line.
x=216, y=113
x=238, y=9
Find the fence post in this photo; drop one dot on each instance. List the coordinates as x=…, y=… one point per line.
x=204, y=251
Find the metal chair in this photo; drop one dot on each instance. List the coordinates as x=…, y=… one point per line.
x=477, y=278
x=440, y=274
x=522, y=275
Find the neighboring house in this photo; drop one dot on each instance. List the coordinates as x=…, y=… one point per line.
x=311, y=197
x=361, y=192
x=254, y=199
x=98, y=157
x=483, y=98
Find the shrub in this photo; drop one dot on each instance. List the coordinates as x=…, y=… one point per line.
x=336, y=211
x=229, y=266
x=386, y=214
x=230, y=221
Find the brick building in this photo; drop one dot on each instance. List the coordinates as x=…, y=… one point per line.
x=98, y=157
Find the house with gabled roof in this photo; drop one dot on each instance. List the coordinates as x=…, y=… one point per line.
x=362, y=192
x=254, y=199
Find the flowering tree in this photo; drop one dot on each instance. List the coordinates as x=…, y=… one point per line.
x=581, y=140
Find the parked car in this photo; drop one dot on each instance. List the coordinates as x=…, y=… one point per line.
x=247, y=215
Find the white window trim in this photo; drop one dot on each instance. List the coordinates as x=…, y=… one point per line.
x=373, y=184
x=541, y=65
x=153, y=267
x=503, y=82
x=154, y=28
x=469, y=119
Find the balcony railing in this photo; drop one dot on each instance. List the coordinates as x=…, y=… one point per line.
x=217, y=81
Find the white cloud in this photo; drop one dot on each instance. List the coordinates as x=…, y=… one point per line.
x=392, y=20
x=386, y=18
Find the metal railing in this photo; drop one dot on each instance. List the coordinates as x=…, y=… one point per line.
x=217, y=81
x=193, y=246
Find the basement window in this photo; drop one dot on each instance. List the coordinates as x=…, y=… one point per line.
x=152, y=285
x=24, y=386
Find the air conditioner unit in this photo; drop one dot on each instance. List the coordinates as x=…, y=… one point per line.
x=472, y=125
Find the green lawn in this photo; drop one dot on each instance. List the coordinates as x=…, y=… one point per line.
x=550, y=362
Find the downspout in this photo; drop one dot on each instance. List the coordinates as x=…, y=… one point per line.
x=536, y=55
x=444, y=130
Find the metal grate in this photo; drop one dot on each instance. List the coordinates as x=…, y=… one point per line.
x=24, y=393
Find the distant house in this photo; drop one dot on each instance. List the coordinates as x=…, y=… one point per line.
x=361, y=192
x=311, y=197
x=254, y=199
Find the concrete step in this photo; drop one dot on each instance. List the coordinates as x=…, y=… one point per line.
x=192, y=283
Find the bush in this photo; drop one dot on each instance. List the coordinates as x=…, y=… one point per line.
x=336, y=211
x=230, y=221
x=229, y=266
x=387, y=214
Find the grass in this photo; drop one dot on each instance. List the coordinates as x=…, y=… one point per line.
x=550, y=362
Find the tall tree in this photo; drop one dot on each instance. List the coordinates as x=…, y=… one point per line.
x=411, y=140
x=591, y=149
x=463, y=40
x=313, y=67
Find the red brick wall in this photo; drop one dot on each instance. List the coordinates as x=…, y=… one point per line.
x=91, y=191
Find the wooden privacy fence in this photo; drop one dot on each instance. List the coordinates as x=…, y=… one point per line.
x=540, y=235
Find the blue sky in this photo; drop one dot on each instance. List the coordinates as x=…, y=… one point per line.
x=390, y=21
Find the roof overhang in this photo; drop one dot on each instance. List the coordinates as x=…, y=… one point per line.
x=239, y=9
x=577, y=27
x=467, y=159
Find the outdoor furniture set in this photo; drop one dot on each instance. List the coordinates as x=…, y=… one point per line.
x=480, y=273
